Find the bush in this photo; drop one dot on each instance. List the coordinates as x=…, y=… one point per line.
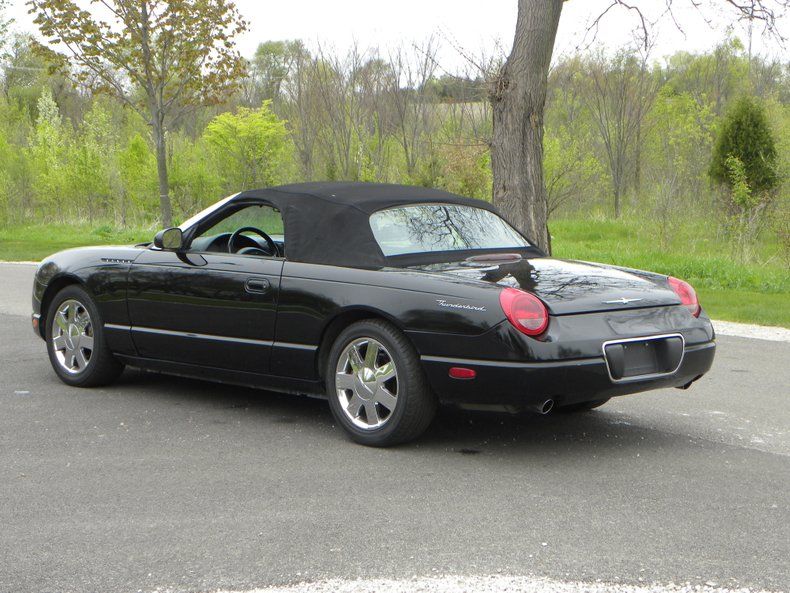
x=746, y=135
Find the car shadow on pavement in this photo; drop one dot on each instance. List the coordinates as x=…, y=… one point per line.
x=453, y=431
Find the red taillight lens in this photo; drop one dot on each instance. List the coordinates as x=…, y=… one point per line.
x=525, y=311
x=687, y=295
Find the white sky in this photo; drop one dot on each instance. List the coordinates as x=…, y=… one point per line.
x=475, y=26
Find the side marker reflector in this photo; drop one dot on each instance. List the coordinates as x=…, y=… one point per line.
x=462, y=373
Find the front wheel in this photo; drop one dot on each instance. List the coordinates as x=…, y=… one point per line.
x=376, y=387
x=75, y=340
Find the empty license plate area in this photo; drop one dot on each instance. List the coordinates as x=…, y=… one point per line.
x=643, y=358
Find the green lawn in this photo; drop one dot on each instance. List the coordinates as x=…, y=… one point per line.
x=756, y=292
x=33, y=243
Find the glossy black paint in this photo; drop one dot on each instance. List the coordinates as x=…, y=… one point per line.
x=269, y=322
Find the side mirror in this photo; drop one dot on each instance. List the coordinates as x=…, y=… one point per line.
x=171, y=239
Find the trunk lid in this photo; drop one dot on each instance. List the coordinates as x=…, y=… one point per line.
x=568, y=286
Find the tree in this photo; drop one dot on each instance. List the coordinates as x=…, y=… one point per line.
x=270, y=68
x=251, y=146
x=518, y=96
x=49, y=146
x=4, y=23
x=620, y=94
x=161, y=58
x=745, y=135
x=745, y=162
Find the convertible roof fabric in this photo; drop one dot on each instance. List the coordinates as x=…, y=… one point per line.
x=328, y=223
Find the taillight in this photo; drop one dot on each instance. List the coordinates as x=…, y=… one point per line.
x=687, y=295
x=525, y=311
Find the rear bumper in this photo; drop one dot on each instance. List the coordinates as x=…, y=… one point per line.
x=566, y=381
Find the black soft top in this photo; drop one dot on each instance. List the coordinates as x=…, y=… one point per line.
x=328, y=222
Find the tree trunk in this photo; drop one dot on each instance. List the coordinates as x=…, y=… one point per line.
x=165, y=210
x=518, y=98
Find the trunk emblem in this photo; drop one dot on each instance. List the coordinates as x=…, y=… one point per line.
x=622, y=301
x=444, y=303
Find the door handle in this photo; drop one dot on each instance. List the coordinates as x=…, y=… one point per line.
x=256, y=285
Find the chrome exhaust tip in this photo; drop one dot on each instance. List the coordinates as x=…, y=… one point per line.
x=544, y=407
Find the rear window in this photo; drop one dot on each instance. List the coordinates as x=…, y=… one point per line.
x=441, y=227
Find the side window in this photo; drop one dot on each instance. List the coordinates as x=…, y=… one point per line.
x=255, y=218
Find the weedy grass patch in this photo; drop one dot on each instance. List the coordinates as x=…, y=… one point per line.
x=752, y=292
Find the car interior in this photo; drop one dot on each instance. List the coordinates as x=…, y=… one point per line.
x=255, y=230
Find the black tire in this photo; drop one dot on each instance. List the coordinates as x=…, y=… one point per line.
x=583, y=406
x=415, y=405
x=102, y=367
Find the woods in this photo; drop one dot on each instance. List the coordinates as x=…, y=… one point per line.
x=118, y=142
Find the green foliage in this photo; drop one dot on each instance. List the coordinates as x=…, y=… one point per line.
x=746, y=135
x=271, y=65
x=49, y=150
x=4, y=24
x=158, y=58
x=195, y=179
x=70, y=159
x=137, y=170
x=251, y=146
x=465, y=170
x=741, y=191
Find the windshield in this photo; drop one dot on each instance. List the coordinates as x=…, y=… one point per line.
x=205, y=212
x=441, y=227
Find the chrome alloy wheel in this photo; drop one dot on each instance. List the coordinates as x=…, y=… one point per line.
x=72, y=336
x=367, y=383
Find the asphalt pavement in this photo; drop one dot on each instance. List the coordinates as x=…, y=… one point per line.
x=159, y=483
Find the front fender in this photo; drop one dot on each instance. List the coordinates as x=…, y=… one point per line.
x=101, y=271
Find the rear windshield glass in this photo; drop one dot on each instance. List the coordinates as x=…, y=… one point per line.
x=441, y=227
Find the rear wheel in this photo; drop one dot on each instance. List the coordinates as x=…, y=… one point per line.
x=376, y=387
x=583, y=406
x=75, y=340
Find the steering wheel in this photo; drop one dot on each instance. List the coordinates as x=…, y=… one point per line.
x=273, y=250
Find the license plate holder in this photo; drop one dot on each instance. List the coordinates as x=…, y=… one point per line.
x=642, y=358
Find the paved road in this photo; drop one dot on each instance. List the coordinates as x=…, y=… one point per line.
x=164, y=483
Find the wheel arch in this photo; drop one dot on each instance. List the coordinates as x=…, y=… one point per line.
x=54, y=286
x=340, y=321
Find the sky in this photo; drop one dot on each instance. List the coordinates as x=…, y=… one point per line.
x=466, y=28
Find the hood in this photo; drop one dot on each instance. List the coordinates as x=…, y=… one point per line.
x=569, y=286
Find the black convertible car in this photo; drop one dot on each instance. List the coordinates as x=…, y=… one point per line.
x=387, y=299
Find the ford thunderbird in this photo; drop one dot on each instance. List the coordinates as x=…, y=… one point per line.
x=387, y=300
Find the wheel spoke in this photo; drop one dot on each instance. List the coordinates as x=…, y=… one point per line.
x=354, y=404
x=371, y=413
x=71, y=359
x=344, y=381
x=371, y=354
x=86, y=342
x=354, y=359
x=62, y=322
x=385, y=398
x=59, y=342
x=83, y=362
x=385, y=372
x=71, y=312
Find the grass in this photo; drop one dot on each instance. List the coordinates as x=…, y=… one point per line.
x=756, y=292
x=34, y=243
